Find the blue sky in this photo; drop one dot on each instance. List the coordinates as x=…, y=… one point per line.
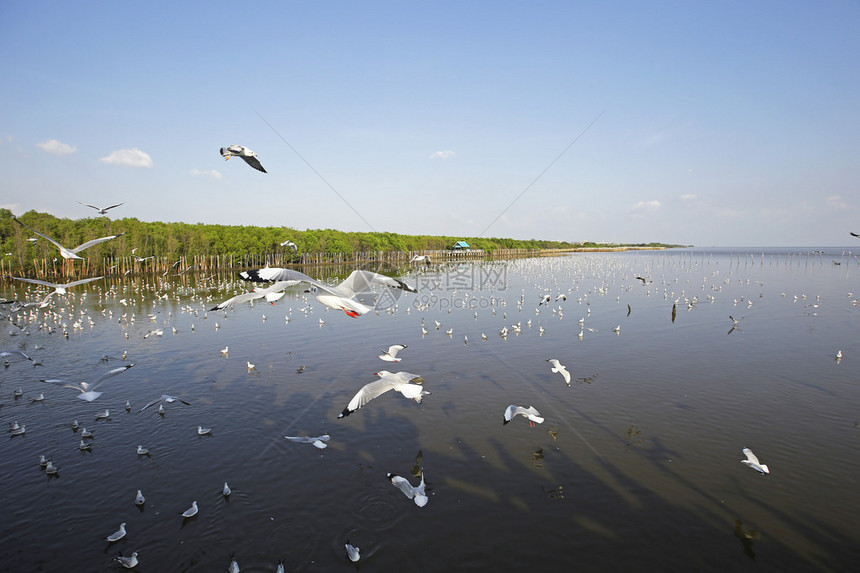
x=706, y=123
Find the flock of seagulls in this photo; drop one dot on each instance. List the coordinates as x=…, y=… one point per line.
x=343, y=296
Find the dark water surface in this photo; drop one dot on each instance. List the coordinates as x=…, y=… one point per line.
x=636, y=466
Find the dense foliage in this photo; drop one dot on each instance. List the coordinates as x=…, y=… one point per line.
x=174, y=240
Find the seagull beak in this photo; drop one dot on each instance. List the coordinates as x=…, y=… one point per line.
x=351, y=313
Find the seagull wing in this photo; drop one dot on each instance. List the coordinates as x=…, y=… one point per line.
x=46, y=237
x=110, y=374
x=360, y=281
x=80, y=282
x=394, y=349
x=367, y=393
x=751, y=457
x=253, y=162
x=853, y=234
x=112, y=206
x=89, y=244
x=38, y=282
x=403, y=485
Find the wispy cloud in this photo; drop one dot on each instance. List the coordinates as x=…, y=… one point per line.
x=836, y=202
x=214, y=174
x=646, y=206
x=442, y=154
x=56, y=147
x=129, y=157
x=688, y=197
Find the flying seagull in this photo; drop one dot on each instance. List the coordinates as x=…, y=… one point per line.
x=853, y=234
x=531, y=413
x=415, y=493
x=560, y=368
x=340, y=297
x=390, y=355
x=752, y=461
x=271, y=294
x=88, y=389
x=58, y=288
x=70, y=253
x=400, y=381
x=101, y=210
x=318, y=442
x=165, y=398
x=241, y=151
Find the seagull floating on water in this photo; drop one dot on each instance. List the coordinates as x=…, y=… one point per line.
x=416, y=493
x=127, y=562
x=226, y=491
x=352, y=552
x=70, y=253
x=241, y=151
x=558, y=367
x=201, y=431
x=117, y=535
x=139, y=499
x=400, y=381
x=141, y=451
x=340, y=297
x=234, y=565
x=318, y=442
x=390, y=355
x=88, y=389
x=191, y=511
x=531, y=413
x=752, y=461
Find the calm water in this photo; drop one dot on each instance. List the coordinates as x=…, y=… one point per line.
x=636, y=466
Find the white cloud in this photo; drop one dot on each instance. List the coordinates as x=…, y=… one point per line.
x=214, y=174
x=56, y=147
x=687, y=197
x=129, y=157
x=647, y=205
x=442, y=154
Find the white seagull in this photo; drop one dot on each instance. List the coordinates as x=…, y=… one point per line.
x=340, y=297
x=71, y=253
x=400, y=381
x=117, y=535
x=271, y=294
x=752, y=461
x=201, y=431
x=127, y=562
x=88, y=389
x=241, y=151
x=416, y=493
x=390, y=355
x=166, y=398
x=101, y=210
x=352, y=552
x=226, y=491
x=561, y=369
x=58, y=288
x=191, y=511
x=531, y=413
x=318, y=442
x=139, y=499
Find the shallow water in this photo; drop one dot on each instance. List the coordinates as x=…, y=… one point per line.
x=637, y=464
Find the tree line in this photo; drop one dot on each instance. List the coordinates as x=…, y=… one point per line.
x=175, y=240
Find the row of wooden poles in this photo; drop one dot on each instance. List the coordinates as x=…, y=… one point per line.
x=119, y=266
